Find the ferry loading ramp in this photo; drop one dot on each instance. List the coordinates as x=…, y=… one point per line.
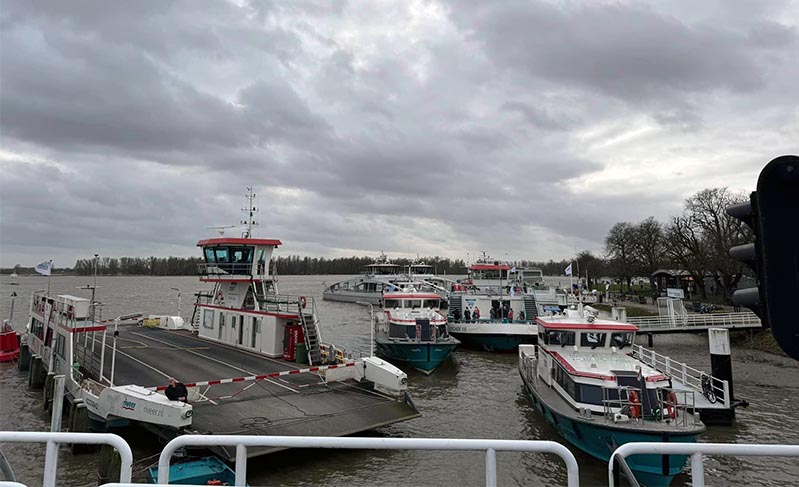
x=301, y=404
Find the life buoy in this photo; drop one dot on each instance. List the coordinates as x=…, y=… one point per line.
x=635, y=405
x=303, y=301
x=671, y=405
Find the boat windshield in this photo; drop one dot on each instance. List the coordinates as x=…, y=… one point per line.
x=490, y=274
x=622, y=340
x=593, y=340
x=430, y=303
x=558, y=337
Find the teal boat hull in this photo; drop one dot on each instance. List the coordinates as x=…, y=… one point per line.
x=196, y=472
x=600, y=440
x=494, y=342
x=424, y=357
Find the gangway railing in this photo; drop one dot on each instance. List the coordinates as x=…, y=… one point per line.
x=695, y=321
x=697, y=451
x=686, y=374
x=51, y=455
x=490, y=447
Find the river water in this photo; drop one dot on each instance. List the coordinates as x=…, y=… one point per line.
x=474, y=395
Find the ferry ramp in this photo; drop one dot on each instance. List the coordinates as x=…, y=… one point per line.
x=297, y=404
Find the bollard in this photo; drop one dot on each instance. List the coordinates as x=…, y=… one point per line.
x=47, y=391
x=109, y=464
x=36, y=374
x=24, y=358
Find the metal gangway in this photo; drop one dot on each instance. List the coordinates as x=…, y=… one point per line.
x=705, y=384
x=694, y=322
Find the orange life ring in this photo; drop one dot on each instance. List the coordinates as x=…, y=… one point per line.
x=671, y=405
x=303, y=302
x=635, y=405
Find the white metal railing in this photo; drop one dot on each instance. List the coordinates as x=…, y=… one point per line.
x=697, y=452
x=490, y=447
x=696, y=321
x=686, y=374
x=51, y=455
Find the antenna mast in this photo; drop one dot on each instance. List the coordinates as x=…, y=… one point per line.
x=250, y=211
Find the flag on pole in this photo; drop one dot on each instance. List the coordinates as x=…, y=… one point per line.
x=45, y=267
x=569, y=270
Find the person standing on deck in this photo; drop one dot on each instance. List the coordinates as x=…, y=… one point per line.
x=176, y=391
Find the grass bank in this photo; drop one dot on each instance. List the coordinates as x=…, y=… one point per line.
x=632, y=311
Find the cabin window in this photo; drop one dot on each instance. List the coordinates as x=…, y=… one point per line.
x=59, y=346
x=593, y=340
x=393, y=303
x=621, y=340
x=430, y=303
x=563, y=338
x=221, y=255
x=413, y=303
x=210, y=256
x=242, y=255
x=208, y=319
x=401, y=331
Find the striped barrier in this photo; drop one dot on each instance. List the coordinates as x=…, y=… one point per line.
x=254, y=378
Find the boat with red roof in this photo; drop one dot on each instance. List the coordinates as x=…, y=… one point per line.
x=581, y=380
x=413, y=330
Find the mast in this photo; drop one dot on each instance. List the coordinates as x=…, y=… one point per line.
x=250, y=210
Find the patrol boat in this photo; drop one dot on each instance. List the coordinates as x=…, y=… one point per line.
x=581, y=380
x=412, y=330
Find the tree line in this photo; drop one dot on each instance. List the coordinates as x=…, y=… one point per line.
x=696, y=242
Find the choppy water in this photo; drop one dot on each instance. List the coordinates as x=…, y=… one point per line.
x=475, y=395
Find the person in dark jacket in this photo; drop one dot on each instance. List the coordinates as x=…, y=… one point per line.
x=176, y=391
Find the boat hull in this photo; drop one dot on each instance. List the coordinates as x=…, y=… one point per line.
x=494, y=337
x=353, y=297
x=600, y=439
x=424, y=357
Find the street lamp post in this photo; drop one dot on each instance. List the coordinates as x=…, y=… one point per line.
x=179, y=294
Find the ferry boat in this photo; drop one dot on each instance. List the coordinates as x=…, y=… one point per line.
x=381, y=276
x=488, y=311
x=581, y=380
x=413, y=330
x=242, y=358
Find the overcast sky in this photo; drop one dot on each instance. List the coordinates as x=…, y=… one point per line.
x=525, y=129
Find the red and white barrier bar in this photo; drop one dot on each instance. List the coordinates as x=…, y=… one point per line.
x=261, y=377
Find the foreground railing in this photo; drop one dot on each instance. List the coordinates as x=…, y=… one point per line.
x=51, y=455
x=697, y=452
x=490, y=447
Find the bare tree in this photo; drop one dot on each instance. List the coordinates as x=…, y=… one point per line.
x=648, y=246
x=685, y=246
x=619, y=251
x=708, y=211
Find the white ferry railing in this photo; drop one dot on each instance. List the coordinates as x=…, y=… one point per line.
x=686, y=374
x=51, y=456
x=697, y=451
x=490, y=447
x=695, y=321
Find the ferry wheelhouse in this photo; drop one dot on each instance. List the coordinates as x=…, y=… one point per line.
x=581, y=380
x=244, y=309
x=413, y=330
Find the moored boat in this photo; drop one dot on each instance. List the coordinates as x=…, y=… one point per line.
x=598, y=398
x=383, y=276
x=9, y=342
x=489, y=311
x=412, y=330
x=200, y=471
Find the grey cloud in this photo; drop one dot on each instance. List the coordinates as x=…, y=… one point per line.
x=626, y=51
